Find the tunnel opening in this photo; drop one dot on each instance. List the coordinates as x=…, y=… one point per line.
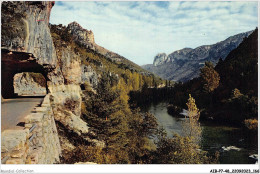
x=29, y=84
x=18, y=62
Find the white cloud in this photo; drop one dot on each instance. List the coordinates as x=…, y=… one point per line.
x=139, y=30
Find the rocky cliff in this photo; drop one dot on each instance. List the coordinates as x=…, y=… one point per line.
x=25, y=29
x=27, y=46
x=159, y=59
x=83, y=36
x=184, y=64
x=86, y=39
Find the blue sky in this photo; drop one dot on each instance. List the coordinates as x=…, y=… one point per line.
x=138, y=30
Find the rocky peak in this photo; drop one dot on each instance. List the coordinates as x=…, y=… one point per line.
x=159, y=59
x=86, y=38
x=80, y=34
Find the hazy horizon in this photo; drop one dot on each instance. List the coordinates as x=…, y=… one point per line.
x=139, y=30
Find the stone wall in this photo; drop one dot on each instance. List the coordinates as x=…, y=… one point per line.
x=36, y=143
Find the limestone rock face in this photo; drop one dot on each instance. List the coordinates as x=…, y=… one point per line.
x=89, y=75
x=86, y=38
x=70, y=65
x=25, y=29
x=82, y=35
x=31, y=84
x=26, y=40
x=159, y=59
x=66, y=105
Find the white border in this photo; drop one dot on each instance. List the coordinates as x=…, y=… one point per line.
x=132, y=168
x=117, y=168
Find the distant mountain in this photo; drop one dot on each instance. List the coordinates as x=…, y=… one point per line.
x=184, y=64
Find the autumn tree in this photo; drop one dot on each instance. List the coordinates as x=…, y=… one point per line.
x=191, y=125
x=183, y=149
x=251, y=124
x=135, y=81
x=180, y=150
x=236, y=93
x=210, y=77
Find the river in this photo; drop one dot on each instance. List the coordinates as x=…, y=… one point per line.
x=214, y=137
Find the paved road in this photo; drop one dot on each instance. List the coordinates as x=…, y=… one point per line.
x=14, y=110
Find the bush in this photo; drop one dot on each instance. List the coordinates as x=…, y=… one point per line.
x=251, y=124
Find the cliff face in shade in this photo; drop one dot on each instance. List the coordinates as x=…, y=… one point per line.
x=183, y=65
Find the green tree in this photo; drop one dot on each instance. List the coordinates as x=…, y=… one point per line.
x=143, y=128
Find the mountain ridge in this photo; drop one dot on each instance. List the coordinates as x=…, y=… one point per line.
x=184, y=64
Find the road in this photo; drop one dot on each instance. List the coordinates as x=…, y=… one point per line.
x=14, y=110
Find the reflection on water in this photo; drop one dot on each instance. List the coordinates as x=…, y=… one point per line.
x=170, y=124
x=213, y=137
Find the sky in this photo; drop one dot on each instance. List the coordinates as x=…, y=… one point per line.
x=138, y=30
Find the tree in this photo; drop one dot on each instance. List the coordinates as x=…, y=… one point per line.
x=183, y=150
x=251, y=124
x=180, y=150
x=135, y=81
x=210, y=77
x=191, y=125
x=143, y=127
x=236, y=93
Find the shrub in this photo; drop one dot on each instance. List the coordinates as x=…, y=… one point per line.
x=251, y=124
